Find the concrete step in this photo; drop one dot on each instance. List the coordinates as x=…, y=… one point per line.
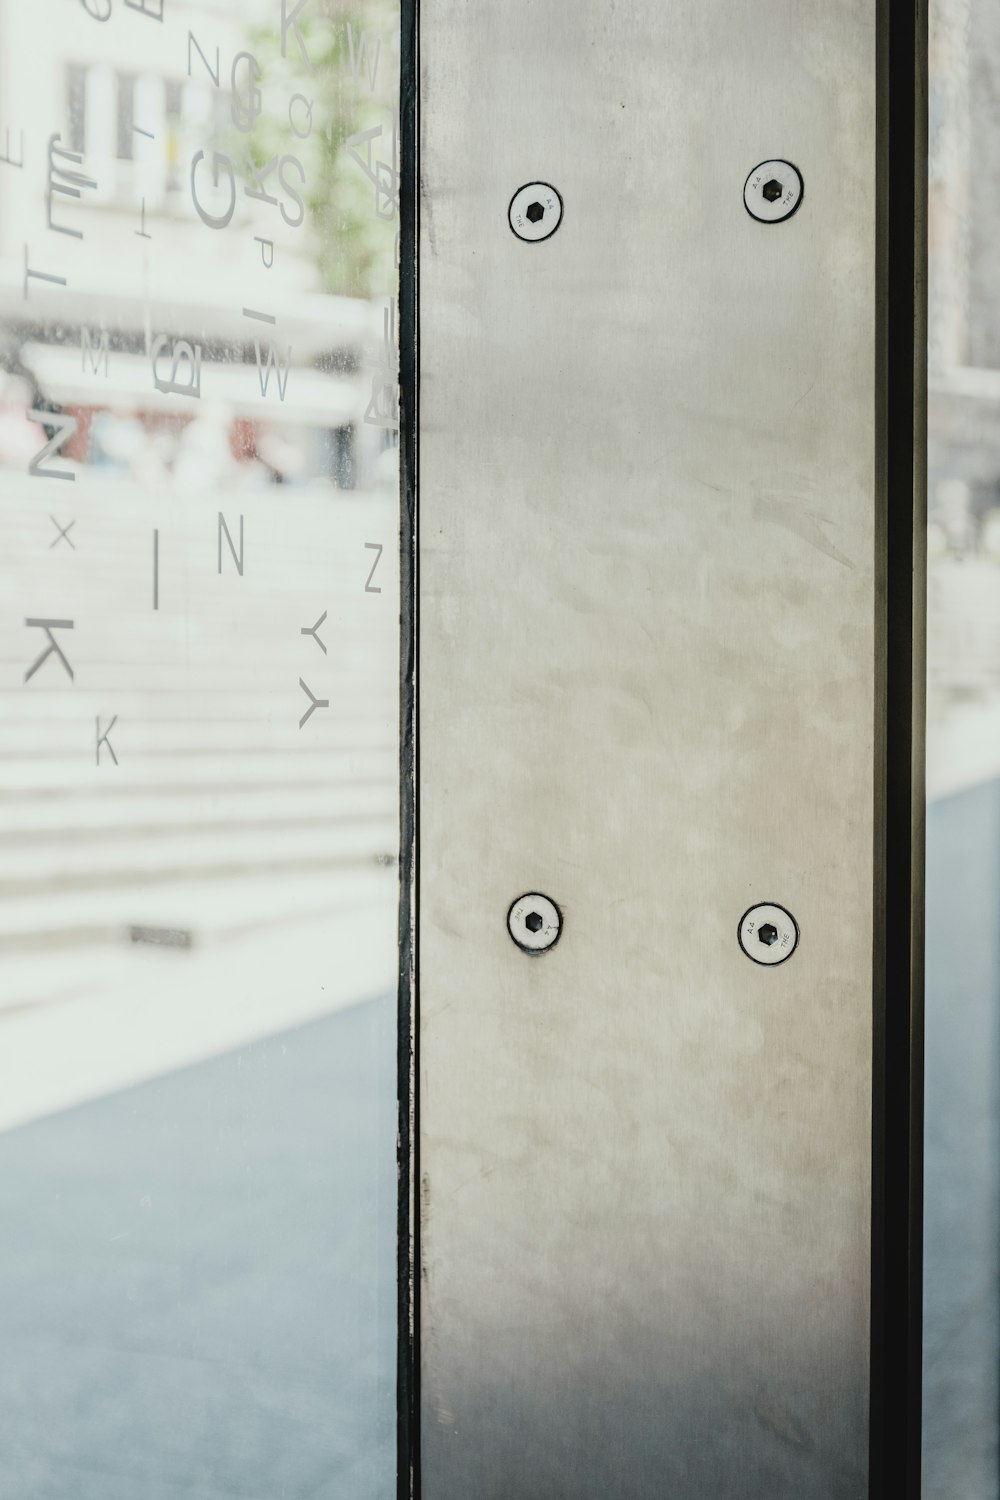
x=181, y=855
x=315, y=764
x=200, y=911
x=130, y=812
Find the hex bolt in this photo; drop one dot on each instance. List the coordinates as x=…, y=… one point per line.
x=534, y=922
x=535, y=211
x=768, y=934
x=773, y=191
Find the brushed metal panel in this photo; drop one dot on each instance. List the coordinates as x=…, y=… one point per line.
x=647, y=597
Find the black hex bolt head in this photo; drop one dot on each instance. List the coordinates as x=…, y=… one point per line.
x=772, y=190
x=767, y=933
x=533, y=922
x=534, y=212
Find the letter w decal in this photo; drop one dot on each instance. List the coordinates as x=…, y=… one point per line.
x=264, y=368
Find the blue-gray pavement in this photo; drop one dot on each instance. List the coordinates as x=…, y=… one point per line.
x=197, y=1275
x=197, y=1280
x=962, y=1148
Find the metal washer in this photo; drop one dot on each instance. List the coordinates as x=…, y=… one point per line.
x=755, y=939
x=535, y=195
x=534, y=922
x=755, y=197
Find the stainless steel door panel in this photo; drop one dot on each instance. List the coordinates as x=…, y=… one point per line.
x=648, y=531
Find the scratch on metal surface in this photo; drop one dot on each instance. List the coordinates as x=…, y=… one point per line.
x=779, y=1421
x=473, y=1177
x=786, y=509
x=811, y=386
x=427, y=215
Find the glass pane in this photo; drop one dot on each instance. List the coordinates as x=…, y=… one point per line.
x=198, y=748
x=962, y=1171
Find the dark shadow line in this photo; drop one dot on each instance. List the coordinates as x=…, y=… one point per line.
x=408, y=1250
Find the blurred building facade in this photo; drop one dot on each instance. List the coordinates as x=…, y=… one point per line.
x=148, y=140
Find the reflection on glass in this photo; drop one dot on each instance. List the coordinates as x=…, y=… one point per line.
x=962, y=1174
x=198, y=751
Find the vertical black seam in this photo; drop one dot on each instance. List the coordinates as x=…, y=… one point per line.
x=408, y=1261
x=897, y=1037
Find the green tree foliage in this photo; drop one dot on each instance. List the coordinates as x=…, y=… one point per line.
x=351, y=88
